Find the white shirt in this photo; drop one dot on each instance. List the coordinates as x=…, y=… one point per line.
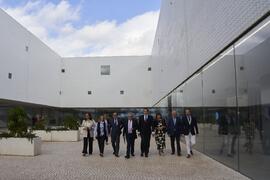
x=102, y=125
x=145, y=117
x=129, y=126
x=116, y=122
x=189, y=119
x=174, y=121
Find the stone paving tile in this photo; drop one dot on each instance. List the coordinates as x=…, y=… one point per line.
x=63, y=160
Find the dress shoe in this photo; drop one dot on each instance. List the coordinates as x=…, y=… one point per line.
x=127, y=157
x=146, y=155
x=101, y=155
x=141, y=154
x=191, y=152
x=179, y=154
x=132, y=154
x=172, y=153
x=84, y=154
x=188, y=156
x=116, y=155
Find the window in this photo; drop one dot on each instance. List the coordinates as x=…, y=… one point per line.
x=63, y=70
x=26, y=48
x=9, y=75
x=121, y=92
x=105, y=70
x=89, y=92
x=149, y=69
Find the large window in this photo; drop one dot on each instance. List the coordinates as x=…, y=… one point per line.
x=105, y=70
x=252, y=55
x=231, y=99
x=219, y=98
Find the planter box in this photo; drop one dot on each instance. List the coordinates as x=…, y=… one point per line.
x=81, y=132
x=72, y=135
x=20, y=146
x=45, y=136
x=56, y=136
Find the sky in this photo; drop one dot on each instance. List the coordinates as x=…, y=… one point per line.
x=89, y=27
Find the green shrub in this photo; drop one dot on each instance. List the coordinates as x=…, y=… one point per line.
x=5, y=135
x=70, y=122
x=17, y=122
x=27, y=135
x=40, y=125
x=49, y=129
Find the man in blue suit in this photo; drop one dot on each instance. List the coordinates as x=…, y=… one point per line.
x=174, y=131
x=145, y=129
x=115, y=128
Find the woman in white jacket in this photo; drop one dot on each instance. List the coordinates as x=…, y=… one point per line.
x=88, y=126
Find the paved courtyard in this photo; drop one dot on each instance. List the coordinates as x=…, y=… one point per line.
x=63, y=160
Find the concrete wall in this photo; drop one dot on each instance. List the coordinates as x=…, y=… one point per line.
x=129, y=74
x=35, y=72
x=191, y=32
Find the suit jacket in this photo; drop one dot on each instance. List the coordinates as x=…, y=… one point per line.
x=134, y=128
x=175, y=129
x=190, y=128
x=115, y=129
x=90, y=124
x=146, y=127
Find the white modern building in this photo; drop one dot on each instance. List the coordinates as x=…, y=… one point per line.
x=212, y=56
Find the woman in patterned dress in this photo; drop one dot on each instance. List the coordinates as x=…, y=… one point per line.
x=160, y=130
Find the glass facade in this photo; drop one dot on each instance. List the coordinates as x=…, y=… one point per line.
x=55, y=116
x=231, y=99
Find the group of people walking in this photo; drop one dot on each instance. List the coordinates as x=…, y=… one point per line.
x=145, y=126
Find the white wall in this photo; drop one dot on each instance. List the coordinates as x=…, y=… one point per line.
x=37, y=76
x=191, y=32
x=36, y=72
x=127, y=73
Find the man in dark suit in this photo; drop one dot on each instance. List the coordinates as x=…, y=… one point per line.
x=190, y=131
x=130, y=128
x=145, y=128
x=115, y=128
x=174, y=131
